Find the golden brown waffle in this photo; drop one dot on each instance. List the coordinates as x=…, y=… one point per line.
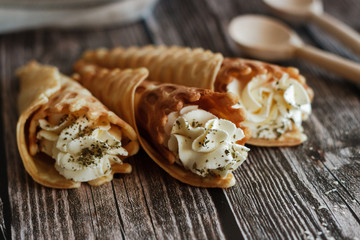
x=152, y=103
x=244, y=70
x=155, y=101
x=115, y=88
x=197, y=68
x=44, y=92
x=180, y=65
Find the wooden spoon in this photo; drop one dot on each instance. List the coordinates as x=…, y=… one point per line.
x=312, y=10
x=268, y=39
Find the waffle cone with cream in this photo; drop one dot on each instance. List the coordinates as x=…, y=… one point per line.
x=50, y=104
x=245, y=71
x=153, y=102
x=204, y=69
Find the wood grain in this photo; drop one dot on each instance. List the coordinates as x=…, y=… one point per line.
x=307, y=192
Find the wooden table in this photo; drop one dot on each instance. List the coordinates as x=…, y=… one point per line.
x=307, y=192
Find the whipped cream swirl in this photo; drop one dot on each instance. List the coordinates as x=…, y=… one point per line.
x=82, y=152
x=203, y=143
x=273, y=107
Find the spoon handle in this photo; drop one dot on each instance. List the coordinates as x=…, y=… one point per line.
x=331, y=62
x=339, y=29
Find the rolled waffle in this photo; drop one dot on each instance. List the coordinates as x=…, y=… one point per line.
x=203, y=69
x=180, y=65
x=46, y=94
x=152, y=104
x=233, y=69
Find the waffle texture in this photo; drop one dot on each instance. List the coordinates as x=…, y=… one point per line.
x=244, y=71
x=198, y=68
x=180, y=65
x=45, y=92
x=152, y=103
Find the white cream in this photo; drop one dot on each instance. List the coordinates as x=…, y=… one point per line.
x=82, y=152
x=203, y=143
x=272, y=107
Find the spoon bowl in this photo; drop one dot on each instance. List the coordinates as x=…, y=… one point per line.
x=296, y=11
x=263, y=37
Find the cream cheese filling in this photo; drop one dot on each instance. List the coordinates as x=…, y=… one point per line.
x=203, y=143
x=272, y=107
x=82, y=151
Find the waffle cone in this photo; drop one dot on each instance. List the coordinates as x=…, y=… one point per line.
x=115, y=88
x=179, y=65
x=198, y=68
x=44, y=91
x=244, y=70
x=152, y=103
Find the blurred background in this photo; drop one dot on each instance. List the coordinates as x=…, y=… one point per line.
x=27, y=14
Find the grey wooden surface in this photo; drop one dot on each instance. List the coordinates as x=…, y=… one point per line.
x=307, y=192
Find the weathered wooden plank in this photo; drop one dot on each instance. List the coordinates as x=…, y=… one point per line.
x=132, y=209
x=160, y=206
x=11, y=153
x=2, y=221
x=188, y=23
x=100, y=202
x=285, y=202
x=87, y=212
x=277, y=198
x=132, y=205
x=176, y=210
x=281, y=193
x=337, y=211
x=102, y=205
x=37, y=212
x=223, y=14
x=5, y=213
x=129, y=35
x=343, y=212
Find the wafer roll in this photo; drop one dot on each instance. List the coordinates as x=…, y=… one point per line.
x=180, y=65
x=159, y=111
x=274, y=119
x=276, y=99
x=65, y=136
